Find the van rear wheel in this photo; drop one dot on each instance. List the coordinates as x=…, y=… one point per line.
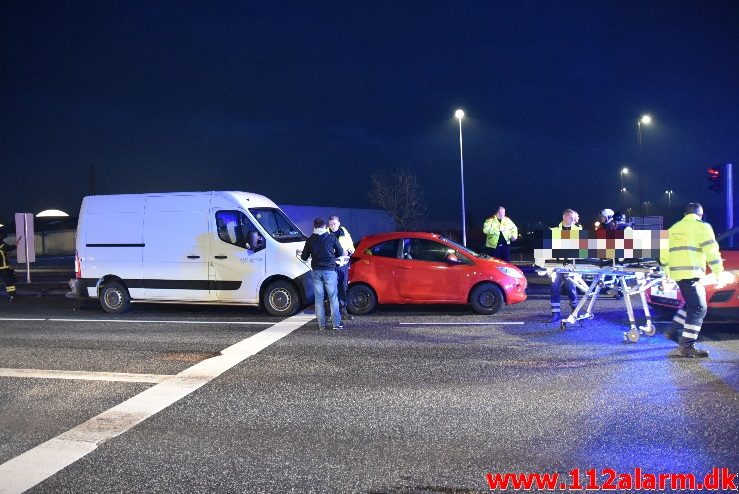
x=114, y=298
x=281, y=299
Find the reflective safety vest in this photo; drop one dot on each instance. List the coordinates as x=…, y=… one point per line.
x=4, y=254
x=561, y=227
x=494, y=228
x=692, y=246
x=345, y=239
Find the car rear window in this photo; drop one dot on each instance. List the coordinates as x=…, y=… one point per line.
x=388, y=248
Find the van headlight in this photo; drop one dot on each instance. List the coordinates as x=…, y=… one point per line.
x=512, y=272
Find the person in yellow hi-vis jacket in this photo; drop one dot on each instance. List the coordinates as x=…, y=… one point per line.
x=6, y=272
x=500, y=231
x=692, y=246
x=342, y=263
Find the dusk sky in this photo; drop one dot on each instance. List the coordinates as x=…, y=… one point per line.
x=303, y=101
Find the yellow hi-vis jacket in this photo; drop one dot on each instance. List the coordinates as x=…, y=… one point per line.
x=344, y=238
x=5, y=250
x=494, y=228
x=692, y=246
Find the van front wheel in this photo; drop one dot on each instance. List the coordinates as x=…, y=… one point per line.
x=281, y=299
x=114, y=298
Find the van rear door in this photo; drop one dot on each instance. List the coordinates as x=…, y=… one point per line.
x=176, y=247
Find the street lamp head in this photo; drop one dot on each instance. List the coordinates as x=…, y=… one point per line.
x=625, y=170
x=459, y=114
x=623, y=190
x=646, y=119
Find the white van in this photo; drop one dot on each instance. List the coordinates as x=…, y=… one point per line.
x=233, y=248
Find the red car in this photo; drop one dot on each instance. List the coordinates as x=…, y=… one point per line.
x=723, y=301
x=425, y=268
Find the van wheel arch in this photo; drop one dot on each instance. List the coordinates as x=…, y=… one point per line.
x=113, y=295
x=279, y=296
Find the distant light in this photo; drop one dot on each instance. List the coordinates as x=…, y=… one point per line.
x=52, y=213
x=625, y=170
x=597, y=224
x=623, y=190
x=646, y=119
x=459, y=114
x=668, y=192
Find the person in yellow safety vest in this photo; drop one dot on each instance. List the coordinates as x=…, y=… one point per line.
x=500, y=231
x=692, y=246
x=6, y=272
x=570, y=219
x=342, y=263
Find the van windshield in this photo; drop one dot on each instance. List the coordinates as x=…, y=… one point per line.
x=278, y=225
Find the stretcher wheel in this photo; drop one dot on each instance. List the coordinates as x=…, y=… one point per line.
x=649, y=329
x=632, y=335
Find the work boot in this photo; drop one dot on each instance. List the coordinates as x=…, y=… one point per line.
x=345, y=316
x=556, y=317
x=691, y=352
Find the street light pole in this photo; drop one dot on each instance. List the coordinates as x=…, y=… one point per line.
x=623, y=189
x=460, y=114
x=669, y=204
x=646, y=120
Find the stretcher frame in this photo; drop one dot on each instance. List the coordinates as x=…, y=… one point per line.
x=610, y=274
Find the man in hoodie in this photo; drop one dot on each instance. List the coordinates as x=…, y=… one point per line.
x=6, y=272
x=323, y=248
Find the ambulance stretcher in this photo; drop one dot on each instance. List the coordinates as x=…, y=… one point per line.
x=634, y=277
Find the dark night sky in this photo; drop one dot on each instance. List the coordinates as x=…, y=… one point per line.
x=304, y=102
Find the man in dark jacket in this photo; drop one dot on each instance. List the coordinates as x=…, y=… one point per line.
x=323, y=248
x=6, y=272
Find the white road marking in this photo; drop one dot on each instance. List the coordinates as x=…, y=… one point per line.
x=138, y=321
x=154, y=321
x=35, y=465
x=84, y=375
x=20, y=319
x=460, y=323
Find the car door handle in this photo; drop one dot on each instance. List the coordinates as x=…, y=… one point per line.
x=221, y=257
x=193, y=257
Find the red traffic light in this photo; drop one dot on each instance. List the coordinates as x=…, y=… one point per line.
x=714, y=173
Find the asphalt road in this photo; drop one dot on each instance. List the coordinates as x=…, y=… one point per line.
x=407, y=400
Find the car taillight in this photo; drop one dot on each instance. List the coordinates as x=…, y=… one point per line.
x=77, y=266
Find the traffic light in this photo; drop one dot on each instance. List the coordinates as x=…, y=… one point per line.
x=714, y=177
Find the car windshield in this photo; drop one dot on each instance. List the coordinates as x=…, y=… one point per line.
x=278, y=225
x=464, y=249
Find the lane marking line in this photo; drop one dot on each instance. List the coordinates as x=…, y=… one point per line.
x=139, y=321
x=461, y=323
x=37, y=464
x=20, y=319
x=84, y=375
x=154, y=321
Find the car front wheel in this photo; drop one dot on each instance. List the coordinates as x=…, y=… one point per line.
x=486, y=299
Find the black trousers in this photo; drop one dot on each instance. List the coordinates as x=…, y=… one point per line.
x=503, y=252
x=695, y=310
x=8, y=276
x=342, y=275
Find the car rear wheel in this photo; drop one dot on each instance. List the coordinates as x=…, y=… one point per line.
x=281, y=299
x=114, y=298
x=361, y=299
x=486, y=299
